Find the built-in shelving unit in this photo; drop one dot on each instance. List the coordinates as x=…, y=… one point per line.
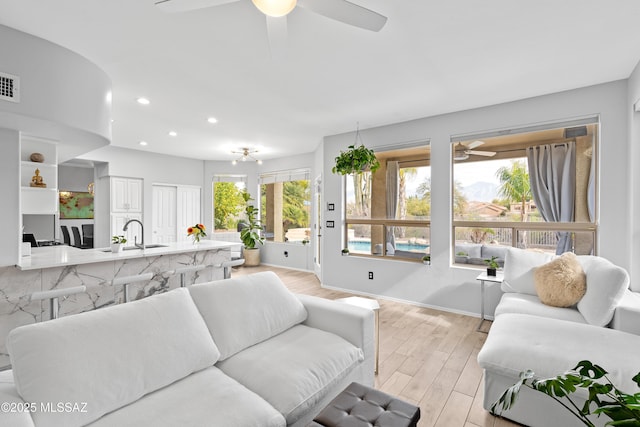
x=38, y=200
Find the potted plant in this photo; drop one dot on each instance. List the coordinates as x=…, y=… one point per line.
x=603, y=397
x=426, y=259
x=492, y=266
x=345, y=252
x=462, y=257
x=355, y=160
x=250, y=235
x=117, y=242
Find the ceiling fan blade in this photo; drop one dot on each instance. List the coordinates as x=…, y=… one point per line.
x=171, y=6
x=482, y=153
x=474, y=144
x=349, y=13
x=277, y=33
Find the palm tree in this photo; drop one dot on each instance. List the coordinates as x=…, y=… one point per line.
x=403, y=175
x=514, y=185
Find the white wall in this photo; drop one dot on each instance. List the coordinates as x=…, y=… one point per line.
x=152, y=168
x=63, y=96
x=10, y=206
x=456, y=289
x=634, y=177
x=74, y=178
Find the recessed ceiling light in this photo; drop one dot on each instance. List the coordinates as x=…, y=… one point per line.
x=212, y=120
x=173, y=133
x=144, y=143
x=143, y=101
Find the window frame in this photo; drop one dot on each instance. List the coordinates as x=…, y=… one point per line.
x=517, y=226
x=387, y=222
x=234, y=178
x=283, y=176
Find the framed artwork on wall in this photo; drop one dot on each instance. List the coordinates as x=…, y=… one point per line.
x=76, y=205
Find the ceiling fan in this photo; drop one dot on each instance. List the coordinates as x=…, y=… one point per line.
x=276, y=11
x=461, y=151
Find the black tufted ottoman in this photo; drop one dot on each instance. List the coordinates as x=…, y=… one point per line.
x=361, y=406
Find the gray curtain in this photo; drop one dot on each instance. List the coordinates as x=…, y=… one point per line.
x=552, y=172
x=591, y=194
x=392, y=199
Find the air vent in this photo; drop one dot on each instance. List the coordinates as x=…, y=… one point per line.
x=575, y=132
x=9, y=87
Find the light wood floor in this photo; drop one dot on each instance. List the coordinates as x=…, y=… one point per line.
x=427, y=357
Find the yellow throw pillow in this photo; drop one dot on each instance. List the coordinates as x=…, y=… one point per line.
x=561, y=282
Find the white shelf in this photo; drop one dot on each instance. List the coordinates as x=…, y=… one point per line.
x=38, y=165
x=37, y=200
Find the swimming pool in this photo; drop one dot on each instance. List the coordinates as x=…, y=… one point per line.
x=364, y=246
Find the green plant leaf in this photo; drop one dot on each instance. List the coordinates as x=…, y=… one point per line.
x=621, y=408
x=590, y=370
x=636, y=379
x=354, y=160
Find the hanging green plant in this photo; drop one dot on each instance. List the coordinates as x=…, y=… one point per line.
x=356, y=160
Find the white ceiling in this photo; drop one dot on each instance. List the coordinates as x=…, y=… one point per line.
x=432, y=57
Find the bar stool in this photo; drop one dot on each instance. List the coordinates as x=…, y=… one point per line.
x=54, y=295
x=231, y=263
x=182, y=271
x=125, y=281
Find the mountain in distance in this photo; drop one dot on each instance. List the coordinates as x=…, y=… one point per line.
x=480, y=192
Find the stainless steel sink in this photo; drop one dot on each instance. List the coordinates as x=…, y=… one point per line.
x=138, y=248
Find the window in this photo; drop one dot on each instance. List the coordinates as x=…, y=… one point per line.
x=388, y=212
x=532, y=189
x=285, y=206
x=228, y=204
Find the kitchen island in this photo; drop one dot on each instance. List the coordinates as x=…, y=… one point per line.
x=59, y=267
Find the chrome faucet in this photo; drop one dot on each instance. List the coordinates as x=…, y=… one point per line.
x=135, y=238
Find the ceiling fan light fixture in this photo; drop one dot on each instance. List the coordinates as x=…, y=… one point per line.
x=460, y=152
x=245, y=154
x=275, y=8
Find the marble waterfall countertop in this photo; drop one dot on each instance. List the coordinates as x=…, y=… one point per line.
x=62, y=255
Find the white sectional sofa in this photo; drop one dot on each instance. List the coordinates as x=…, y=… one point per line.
x=237, y=352
x=603, y=327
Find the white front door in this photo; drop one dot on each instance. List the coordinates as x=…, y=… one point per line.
x=164, y=214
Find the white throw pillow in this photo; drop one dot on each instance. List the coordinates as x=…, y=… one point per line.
x=246, y=310
x=105, y=359
x=606, y=283
x=519, y=265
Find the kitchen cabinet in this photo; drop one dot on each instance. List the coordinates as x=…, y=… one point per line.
x=133, y=231
x=126, y=194
x=125, y=204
